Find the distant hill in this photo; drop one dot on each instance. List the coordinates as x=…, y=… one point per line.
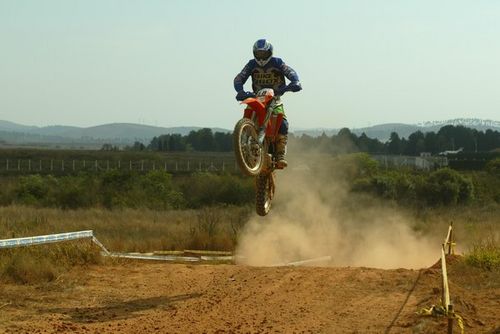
x=127, y=133
x=383, y=131
x=115, y=133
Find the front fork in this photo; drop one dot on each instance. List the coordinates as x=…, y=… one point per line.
x=262, y=130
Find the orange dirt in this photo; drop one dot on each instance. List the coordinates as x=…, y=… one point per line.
x=144, y=297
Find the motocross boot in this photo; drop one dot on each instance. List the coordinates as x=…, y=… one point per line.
x=281, y=142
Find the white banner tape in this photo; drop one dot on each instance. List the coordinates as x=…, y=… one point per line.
x=44, y=239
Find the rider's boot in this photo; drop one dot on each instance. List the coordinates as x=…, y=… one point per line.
x=281, y=141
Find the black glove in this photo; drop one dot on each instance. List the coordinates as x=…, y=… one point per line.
x=244, y=95
x=294, y=87
x=281, y=90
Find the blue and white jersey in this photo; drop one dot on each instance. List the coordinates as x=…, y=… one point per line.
x=272, y=75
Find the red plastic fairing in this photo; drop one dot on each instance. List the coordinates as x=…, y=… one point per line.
x=274, y=125
x=254, y=105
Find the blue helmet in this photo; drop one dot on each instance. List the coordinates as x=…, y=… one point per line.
x=262, y=51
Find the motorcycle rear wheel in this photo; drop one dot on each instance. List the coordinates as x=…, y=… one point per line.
x=263, y=193
x=249, y=154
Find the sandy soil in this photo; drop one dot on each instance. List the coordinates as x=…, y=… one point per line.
x=144, y=297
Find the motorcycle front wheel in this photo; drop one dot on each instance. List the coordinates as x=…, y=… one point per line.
x=249, y=154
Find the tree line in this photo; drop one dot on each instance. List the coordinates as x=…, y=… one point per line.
x=448, y=138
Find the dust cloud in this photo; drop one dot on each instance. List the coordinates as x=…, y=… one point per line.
x=314, y=215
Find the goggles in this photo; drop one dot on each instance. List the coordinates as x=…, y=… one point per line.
x=262, y=54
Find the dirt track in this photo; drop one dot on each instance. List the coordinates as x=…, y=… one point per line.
x=139, y=297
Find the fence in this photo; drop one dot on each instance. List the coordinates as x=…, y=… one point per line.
x=28, y=166
x=422, y=163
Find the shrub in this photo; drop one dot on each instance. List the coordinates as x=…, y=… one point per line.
x=485, y=254
x=159, y=191
x=445, y=187
x=493, y=166
x=355, y=165
x=203, y=189
x=75, y=192
x=34, y=189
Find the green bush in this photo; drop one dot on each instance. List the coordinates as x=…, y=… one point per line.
x=485, y=254
x=75, y=192
x=445, y=187
x=493, y=167
x=203, y=189
x=34, y=190
x=160, y=192
x=353, y=166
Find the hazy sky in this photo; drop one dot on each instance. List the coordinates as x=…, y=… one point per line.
x=172, y=63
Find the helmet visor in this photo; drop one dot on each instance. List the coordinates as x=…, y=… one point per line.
x=262, y=54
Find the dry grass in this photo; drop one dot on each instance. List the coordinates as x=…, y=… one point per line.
x=132, y=230
x=125, y=230
x=45, y=263
x=212, y=228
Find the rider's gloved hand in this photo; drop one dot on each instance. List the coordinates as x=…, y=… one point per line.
x=281, y=90
x=294, y=87
x=242, y=95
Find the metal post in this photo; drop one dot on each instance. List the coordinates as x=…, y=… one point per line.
x=62, y=165
x=51, y=165
x=142, y=165
x=188, y=166
x=176, y=166
x=107, y=164
x=119, y=164
x=96, y=165
x=73, y=165
x=450, y=240
x=18, y=164
x=7, y=165
x=83, y=164
x=450, y=319
x=165, y=166
x=29, y=165
x=40, y=165
x=130, y=165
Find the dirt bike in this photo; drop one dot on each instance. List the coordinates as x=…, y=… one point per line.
x=254, y=140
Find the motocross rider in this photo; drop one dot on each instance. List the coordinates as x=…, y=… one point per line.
x=269, y=72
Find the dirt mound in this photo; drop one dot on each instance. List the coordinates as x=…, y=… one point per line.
x=451, y=260
x=140, y=297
